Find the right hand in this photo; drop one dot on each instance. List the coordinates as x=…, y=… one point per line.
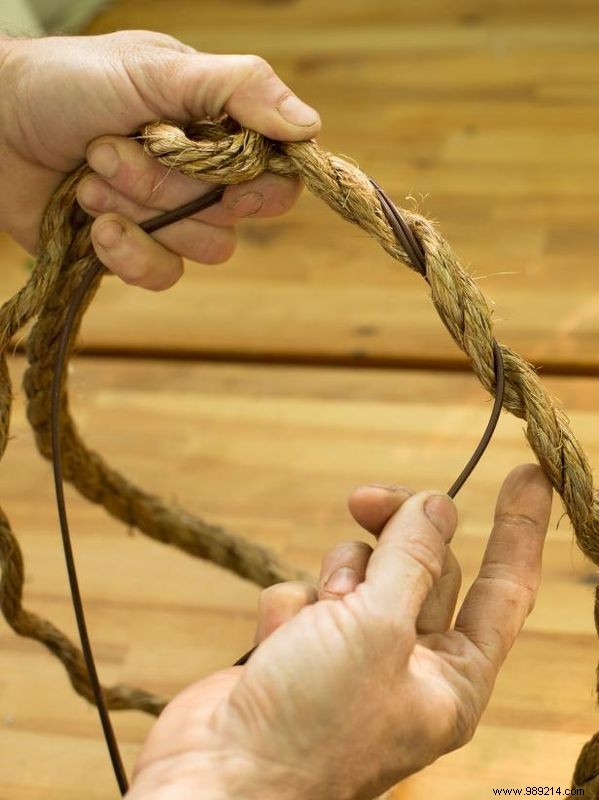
x=357, y=685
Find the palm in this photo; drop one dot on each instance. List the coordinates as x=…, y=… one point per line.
x=321, y=645
x=182, y=725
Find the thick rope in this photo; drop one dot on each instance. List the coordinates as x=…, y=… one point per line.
x=64, y=256
x=226, y=154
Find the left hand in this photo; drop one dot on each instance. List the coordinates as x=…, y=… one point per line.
x=67, y=98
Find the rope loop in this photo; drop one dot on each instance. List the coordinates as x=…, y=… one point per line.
x=223, y=153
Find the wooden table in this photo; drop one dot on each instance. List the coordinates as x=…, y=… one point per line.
x=271, y=452
x=491, y=113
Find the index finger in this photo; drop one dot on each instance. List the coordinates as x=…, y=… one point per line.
x=504, y=592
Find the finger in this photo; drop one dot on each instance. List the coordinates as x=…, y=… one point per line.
x=127, y=172
x=342, y=569
x=190, y=238
x=438, y=609
x=244, y=86
x=503, y=594
x=409, y=557
x=372, y=506
x=251, y=92
x=279, y=603
x=142, y=260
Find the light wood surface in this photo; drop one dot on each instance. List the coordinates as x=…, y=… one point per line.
x=271, y=452
x=486, y=113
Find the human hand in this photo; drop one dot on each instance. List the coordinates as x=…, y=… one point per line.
x=357, y=685
x=68, y=98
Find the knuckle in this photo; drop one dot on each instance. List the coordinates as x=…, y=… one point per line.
x=516, y=592
x=513, y=520
x=169, y=63
x=166, y=40
x=218, y=247
x=139, y=37
x=526, y=595
x=425, y=552
x=143, y=186
x=256, y=66
x=158, y=73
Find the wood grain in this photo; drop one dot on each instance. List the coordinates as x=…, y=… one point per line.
x=271, y=452
x=486, y=113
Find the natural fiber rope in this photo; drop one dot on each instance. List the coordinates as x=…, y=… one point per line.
x=225, y=154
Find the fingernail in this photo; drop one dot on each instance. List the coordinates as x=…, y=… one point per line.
x=247, y=204
x=109, y=234
x=441, y=512
x=92, y=193
x=342, y=581
x=104, y=160
x=293, y=110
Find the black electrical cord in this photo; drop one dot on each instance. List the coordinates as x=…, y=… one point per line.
x=417, y=257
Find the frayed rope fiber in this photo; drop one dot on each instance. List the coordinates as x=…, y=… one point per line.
x=224, y=153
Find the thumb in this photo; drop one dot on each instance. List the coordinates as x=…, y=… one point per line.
x=244, y=86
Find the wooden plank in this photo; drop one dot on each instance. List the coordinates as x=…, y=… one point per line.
x=487, y=114
x=272, y=453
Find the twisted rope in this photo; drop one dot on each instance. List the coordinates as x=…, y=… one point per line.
x=64, y=258
x=226, y=154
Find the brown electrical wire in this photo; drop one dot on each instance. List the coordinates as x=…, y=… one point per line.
x=413, y=249
x=75, y=304
x=418, y=260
